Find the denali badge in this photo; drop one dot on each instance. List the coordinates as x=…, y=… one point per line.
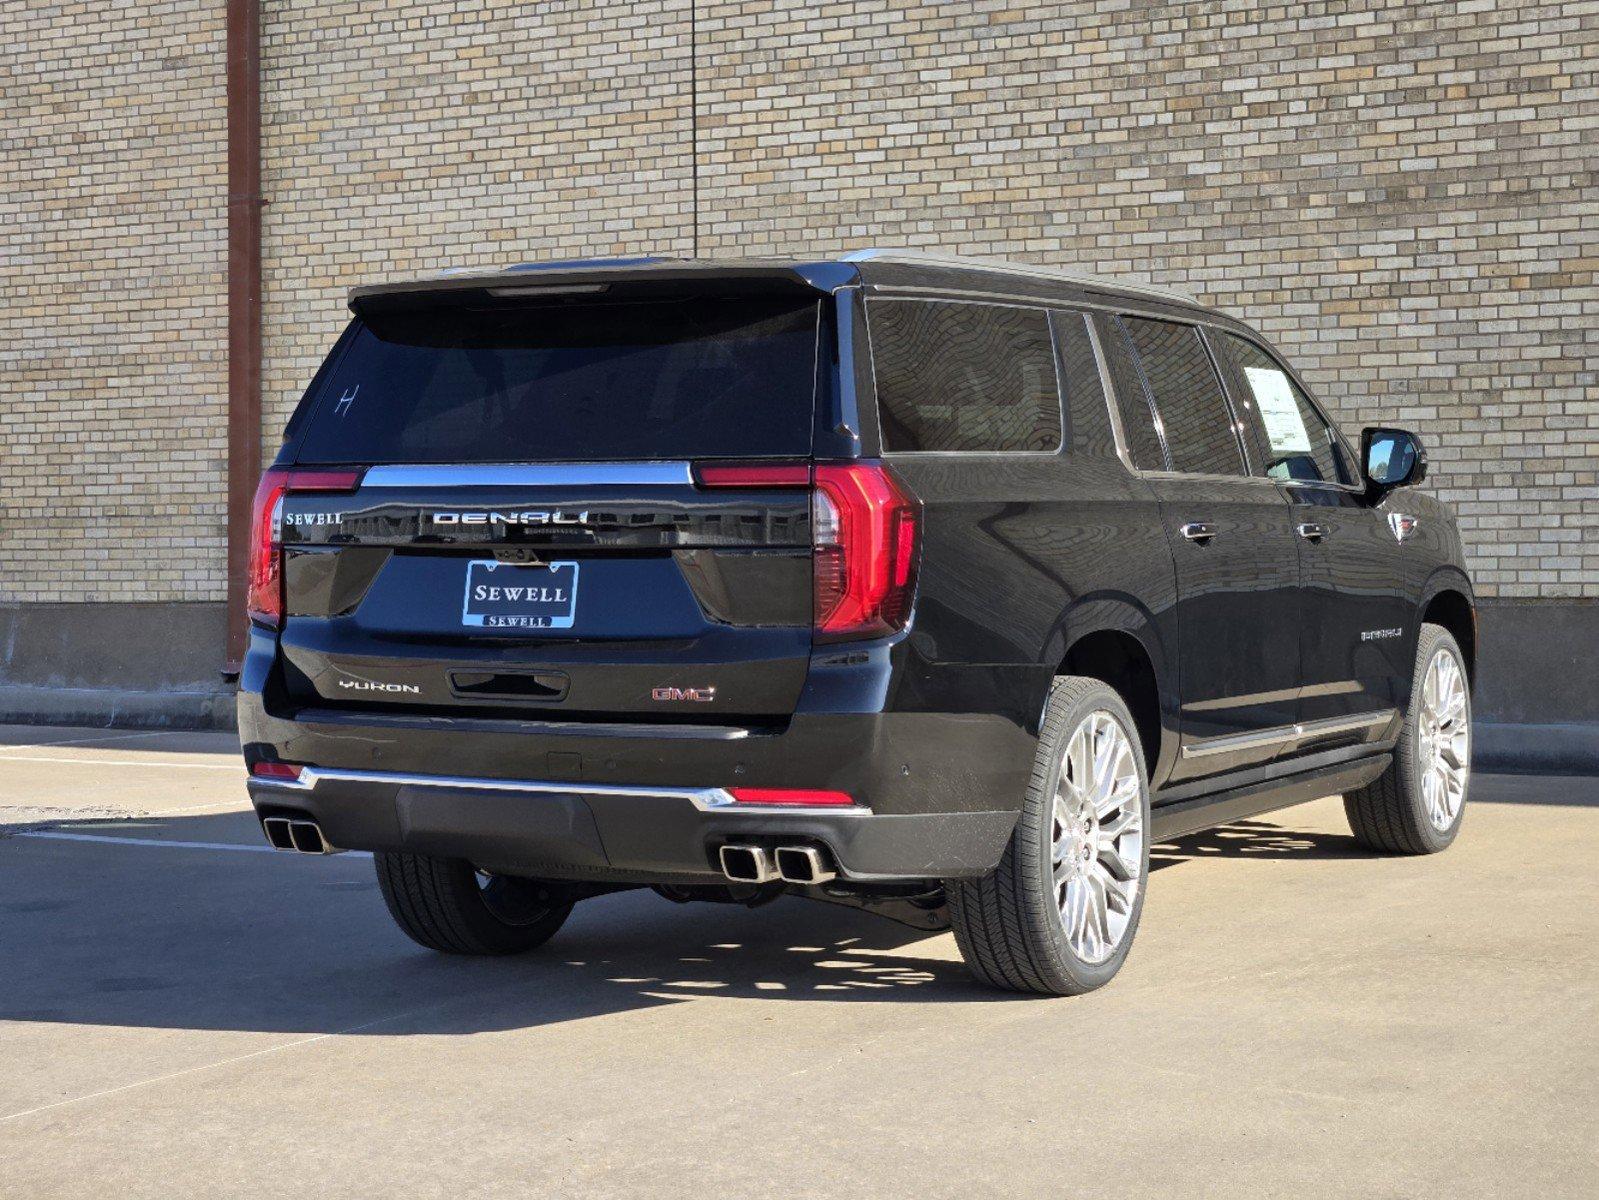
x=366, y=685
x=701, y=695
x=1374, y=635
x=488, y=517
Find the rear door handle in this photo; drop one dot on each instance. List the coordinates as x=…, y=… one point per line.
x=1312, y=531
x=1198, y=531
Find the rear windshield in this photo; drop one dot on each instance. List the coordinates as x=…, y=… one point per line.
x=701, y=378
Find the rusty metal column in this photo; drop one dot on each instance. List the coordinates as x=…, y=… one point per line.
x=244, y=306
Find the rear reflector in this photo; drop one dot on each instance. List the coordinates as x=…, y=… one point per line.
x=753, y=475
x=265, y=602
x=275, y=770
x=804, y=796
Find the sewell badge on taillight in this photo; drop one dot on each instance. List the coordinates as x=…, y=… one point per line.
x=265, y=603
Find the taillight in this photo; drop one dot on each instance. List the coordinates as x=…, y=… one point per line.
x=752, y=475
x=265, y=602
x=805, y=796
x=865, y=529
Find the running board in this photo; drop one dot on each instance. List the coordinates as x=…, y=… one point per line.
x=1175, y=820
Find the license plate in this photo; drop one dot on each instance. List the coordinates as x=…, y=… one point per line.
x=512, y=596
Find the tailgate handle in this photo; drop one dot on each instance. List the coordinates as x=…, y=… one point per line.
x=509, y=685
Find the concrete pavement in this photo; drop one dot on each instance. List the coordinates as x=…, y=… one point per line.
x=183, y=1014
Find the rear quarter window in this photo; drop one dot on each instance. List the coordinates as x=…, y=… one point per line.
x=955, y=376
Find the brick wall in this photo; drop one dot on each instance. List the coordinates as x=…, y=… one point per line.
x=1404, y=196
x=113, y=338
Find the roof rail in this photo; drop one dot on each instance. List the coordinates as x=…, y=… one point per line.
x=892, y=254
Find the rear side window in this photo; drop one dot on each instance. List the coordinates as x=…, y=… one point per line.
x=1132, y=402
x=1190, y=408
x=1299, y=445
x=964, y=377
x=1088, y=429
x=686, y=378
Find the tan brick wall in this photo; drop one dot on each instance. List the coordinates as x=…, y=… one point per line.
x=113, y=248
x=401, y=139
x=1404, y=196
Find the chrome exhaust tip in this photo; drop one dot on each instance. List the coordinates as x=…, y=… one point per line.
x=278, y=833
x=308, y=839
x=747, y=864
x=803, y=864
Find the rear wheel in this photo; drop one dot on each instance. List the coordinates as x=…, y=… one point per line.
x=446, y=904
x=1057, y=916
x=1416, y=805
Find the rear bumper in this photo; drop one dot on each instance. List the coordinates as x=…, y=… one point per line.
x=937, y=794
x=565, y=831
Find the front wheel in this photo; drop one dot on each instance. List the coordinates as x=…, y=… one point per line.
x=1058, y=914
x=1416, y=805
x=448, y=905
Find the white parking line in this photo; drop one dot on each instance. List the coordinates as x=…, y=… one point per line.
x=124, y=762
x=110, y=737
x=165, y=843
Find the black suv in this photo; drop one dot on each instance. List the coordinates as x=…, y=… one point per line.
x=929, y=585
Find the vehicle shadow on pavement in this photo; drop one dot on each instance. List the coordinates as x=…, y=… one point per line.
x=96, y=933
x=145, y=936
x=1255, y=839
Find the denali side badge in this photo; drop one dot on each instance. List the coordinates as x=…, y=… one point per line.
x=700, y=695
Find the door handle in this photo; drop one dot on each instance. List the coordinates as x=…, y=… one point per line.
x=1198, y=531
x=1312, y=531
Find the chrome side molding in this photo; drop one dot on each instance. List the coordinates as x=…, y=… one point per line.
x=1280, y=735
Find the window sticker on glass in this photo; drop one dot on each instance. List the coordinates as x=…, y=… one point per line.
x=1285, y=426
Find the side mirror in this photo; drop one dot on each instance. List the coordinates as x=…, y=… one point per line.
x=1392, y=458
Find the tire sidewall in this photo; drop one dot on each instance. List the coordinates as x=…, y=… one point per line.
x=1433, y=639
x=1074, y=974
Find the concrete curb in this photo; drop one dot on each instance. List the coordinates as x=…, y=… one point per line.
x=111, y=708
x=1573, y=749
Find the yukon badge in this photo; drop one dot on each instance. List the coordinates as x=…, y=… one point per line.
x=1402, y=524
x=371, y=685
x=699, y=695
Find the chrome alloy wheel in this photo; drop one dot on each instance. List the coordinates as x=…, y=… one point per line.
x=1098, y=837
x=1444, y=740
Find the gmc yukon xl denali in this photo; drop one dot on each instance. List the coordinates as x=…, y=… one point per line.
x=938, y=587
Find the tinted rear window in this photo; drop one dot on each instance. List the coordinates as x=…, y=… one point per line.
x=956, y=376
x=596, y=382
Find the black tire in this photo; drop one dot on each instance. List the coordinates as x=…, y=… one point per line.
x=1008, y=924
x=1390, y=813
x=443, y=904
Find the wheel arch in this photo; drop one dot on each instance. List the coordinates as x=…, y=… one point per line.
x=1448, y=601
x=1114, y=641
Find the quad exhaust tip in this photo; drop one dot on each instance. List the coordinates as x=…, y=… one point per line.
x=747, y=864
x=803, y=864
x=303, y=837
x=791, y=864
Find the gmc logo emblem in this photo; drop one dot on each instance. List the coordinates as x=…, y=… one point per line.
x=702, y=695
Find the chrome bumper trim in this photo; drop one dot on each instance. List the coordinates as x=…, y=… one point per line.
x=710, y=799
